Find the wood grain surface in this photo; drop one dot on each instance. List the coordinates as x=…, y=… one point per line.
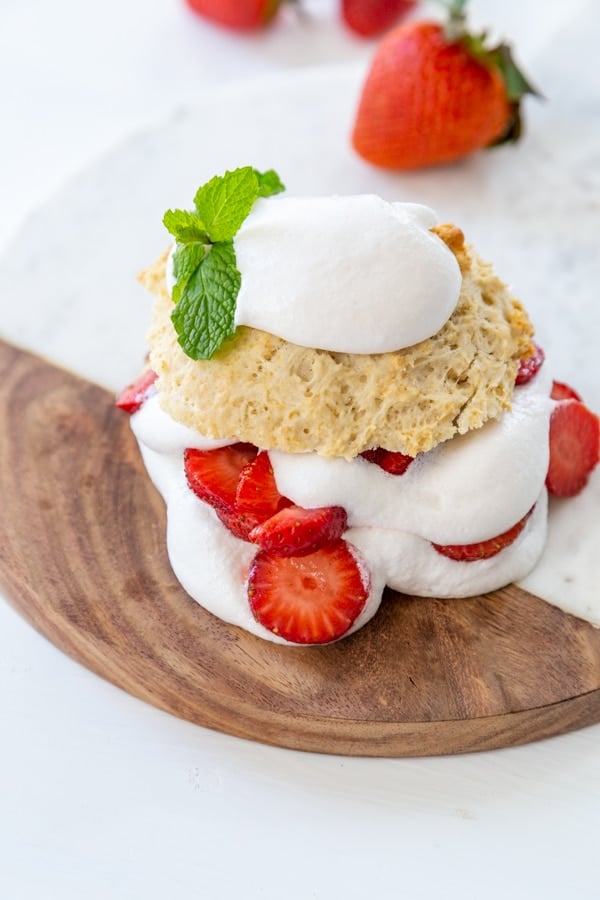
x=83, y=558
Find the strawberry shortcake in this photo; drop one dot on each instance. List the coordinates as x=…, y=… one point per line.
x=343, y=396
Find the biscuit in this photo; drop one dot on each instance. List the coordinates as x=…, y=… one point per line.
x=275, y=394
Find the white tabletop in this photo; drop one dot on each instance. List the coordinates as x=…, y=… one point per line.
x=103, y=796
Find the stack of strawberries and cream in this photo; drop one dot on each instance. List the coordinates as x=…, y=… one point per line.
x=343, y=396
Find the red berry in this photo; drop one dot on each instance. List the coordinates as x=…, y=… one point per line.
x=530, y=365
x=372, y=17
x=574, y=447
x=562, y=391
x=133, y=396
x=237, y=483
x=257, y=491
x=310, y=599
x=388, y=460
x=430, y=99
x=295, y=531
x=241, y=15
x=213, y=475
x=239, y=523
x=482, y=549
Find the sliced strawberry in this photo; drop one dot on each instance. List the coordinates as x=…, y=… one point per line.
x=561, y=391
x=388, y=460
x=295, y=531
x=574, y=448
x=132, y=397
x=239, y=523
x=213, y=475
x=257, y=491
x=482, y=549
x=530, y=366
x=310, y=599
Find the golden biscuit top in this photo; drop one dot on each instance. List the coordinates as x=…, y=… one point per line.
x=275, y=394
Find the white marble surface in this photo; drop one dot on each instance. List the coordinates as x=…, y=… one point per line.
x=101, y=795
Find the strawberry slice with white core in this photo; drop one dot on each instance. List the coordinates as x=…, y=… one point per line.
x=133, y=396
x=257, y=491
x=530, y=365
x=310, y=599
x=483, y=549
x=213, y=475
x=390, y=461
x=574, y=448
x=295, y=531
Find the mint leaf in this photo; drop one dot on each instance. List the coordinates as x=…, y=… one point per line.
x=186, y=259
x=269, y=183
x=224, y=202
x=184, y=225
x=204, y=315
x=207, y=281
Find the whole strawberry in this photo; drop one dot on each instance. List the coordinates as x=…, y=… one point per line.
x=239, y=15
x=435, y=93
x=371, y=17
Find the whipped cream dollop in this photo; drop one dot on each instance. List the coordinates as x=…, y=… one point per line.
x=398, y=285
x=466, y=490
x=470, y=488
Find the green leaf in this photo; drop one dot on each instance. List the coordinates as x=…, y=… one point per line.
x=184, y=225
x=269, y=183
x=186, y=259
x=517, y=83
x=207, y=281
x=204, y=315
x=224, y=202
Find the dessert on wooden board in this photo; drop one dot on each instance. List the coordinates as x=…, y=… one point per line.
x=343, y=396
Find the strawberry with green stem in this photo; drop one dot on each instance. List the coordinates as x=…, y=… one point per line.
x=436, y=93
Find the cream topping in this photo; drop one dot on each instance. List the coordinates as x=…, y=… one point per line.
x=469, y=489
x=351, y=274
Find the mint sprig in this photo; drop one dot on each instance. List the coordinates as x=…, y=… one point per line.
x=204, y=314
x=207, y=281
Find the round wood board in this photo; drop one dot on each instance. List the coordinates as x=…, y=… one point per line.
x=83, y=558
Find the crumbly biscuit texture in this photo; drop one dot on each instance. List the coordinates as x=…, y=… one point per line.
x=275, y=394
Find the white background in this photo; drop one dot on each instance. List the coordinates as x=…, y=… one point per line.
x=102, y=796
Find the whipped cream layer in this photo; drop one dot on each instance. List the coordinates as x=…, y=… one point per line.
x=398, y=285
x=469, y=489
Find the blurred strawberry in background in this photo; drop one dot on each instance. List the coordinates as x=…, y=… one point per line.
x=372, y=17
x=242, y=15
x=435, y=93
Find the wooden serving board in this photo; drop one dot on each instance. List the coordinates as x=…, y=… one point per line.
x=83, y=558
